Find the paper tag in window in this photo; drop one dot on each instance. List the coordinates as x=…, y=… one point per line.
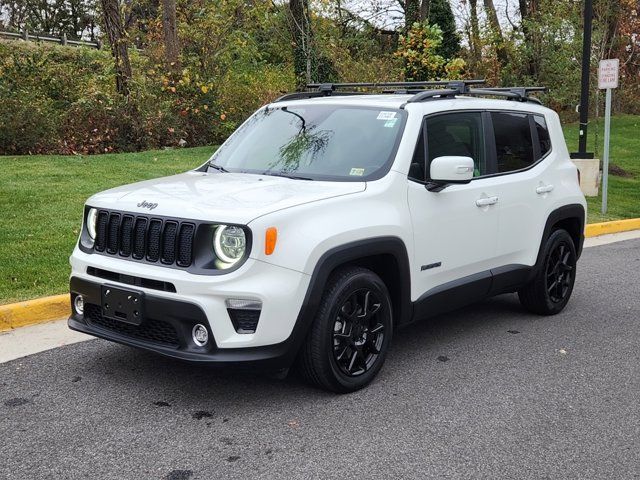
x=390, y=123
x=386, y=115
x=357, y=172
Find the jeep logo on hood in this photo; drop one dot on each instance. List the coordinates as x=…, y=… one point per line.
x=145, y=204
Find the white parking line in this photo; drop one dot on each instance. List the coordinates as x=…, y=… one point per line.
x=37, y=338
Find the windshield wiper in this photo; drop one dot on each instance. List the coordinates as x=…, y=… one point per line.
x=218, y=167
x=285, y=175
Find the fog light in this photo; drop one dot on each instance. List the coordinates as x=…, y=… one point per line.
x=78, y=304
x=200, y=335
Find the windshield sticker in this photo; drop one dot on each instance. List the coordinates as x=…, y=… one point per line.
x=386, y=115
x=357, y=172
x=390, y=123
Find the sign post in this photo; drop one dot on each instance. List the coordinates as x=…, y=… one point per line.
x=607, y=80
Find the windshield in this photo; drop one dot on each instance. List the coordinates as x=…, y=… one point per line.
x=314, y=142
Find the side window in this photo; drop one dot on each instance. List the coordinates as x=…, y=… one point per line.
x=543, y=135
x=416, y=171
x=514, y=145
x=459, y=134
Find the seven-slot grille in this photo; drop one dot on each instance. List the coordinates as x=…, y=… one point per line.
x=142, y=238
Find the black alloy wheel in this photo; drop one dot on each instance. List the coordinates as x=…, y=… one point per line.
x=560, y=272
x=358, y=333
x=551, y=287
x=350, y=335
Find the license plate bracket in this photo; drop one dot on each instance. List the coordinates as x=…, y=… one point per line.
x=122, y=305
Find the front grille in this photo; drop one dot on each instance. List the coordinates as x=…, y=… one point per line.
x=126, y=235
x=156, y=331
x=139, y=237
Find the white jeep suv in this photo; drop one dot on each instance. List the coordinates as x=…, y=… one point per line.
x=328, y=219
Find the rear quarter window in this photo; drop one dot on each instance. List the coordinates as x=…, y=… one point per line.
x=544, y=140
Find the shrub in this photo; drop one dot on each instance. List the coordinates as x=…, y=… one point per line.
x=57, y=99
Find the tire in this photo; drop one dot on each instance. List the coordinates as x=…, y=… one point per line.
x=353, y=322
x=551, y=288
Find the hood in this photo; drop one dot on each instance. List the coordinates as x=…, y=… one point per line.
x=219, y=197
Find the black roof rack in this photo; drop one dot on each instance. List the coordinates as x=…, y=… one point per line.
x=520, y=94
x=315, y=90
x=421, y=91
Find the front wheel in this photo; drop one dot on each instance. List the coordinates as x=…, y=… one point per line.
x=550, y=290
x=351, y=333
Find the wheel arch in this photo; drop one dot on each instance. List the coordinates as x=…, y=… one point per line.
x=570, y=218
x=385, y=256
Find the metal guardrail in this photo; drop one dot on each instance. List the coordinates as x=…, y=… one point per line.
x=26, y=36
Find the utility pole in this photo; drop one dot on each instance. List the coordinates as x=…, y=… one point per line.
x=584, y=94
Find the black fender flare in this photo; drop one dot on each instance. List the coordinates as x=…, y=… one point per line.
x=566, y=212
x=342, y=255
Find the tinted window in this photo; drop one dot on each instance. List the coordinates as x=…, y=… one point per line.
x=316, y=141
x=416, y=171
x=543, y=135
x=459, y=134
x=514, y=146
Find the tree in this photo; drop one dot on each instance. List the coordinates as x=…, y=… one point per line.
x=496, y=31
x=73, y=18
x=169, y=27
x=528, y=23
x=411, y=12
x=303, y=54
x=418, y=49
x=114, y=27
x=474, y=32
x=440, y=14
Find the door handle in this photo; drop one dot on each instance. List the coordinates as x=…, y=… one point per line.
x=486, y=201
x=544, y=189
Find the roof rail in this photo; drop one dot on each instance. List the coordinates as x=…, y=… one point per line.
x=421, y=91
x=514, y=93
x=403, y=85
x=511, y=93
x=333, y=89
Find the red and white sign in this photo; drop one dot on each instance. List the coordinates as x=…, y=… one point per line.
x=608, y=74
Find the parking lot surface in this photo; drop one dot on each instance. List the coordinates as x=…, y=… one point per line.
x=489, y=391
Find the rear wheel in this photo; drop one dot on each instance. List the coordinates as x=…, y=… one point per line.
x=551, y=288
x=351, y=333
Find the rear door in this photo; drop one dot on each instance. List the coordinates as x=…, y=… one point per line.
x=523, y=156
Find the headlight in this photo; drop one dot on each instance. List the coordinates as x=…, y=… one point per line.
x=229, y=244
x=92, y=220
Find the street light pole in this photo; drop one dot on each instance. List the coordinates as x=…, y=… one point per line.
x=584, y=94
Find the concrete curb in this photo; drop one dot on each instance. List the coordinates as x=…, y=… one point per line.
x=45, y=309
x=39, y=310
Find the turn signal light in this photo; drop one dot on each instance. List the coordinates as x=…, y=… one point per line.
x=271, y=237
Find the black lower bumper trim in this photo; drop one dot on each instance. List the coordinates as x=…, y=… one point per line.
x=182, y=316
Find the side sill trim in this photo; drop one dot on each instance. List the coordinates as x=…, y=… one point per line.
x=471, y=289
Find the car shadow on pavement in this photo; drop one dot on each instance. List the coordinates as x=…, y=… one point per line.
x=150, y=372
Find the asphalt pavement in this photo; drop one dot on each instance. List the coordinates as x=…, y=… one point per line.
x=489, y=391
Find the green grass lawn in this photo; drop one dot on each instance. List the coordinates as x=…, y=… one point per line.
x=41, y=200
x=624, y=192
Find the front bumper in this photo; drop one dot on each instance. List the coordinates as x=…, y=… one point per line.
x=167, y=329
x=280, y=290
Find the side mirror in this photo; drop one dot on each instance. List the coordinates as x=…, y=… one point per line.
x=450, y=170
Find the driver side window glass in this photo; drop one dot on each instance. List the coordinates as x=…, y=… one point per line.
x=457, y=134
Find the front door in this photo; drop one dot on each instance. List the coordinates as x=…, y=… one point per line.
x=456, y=229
